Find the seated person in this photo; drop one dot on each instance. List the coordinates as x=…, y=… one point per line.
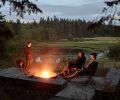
x=91, y=67
x=77, y=64
x=89, y=70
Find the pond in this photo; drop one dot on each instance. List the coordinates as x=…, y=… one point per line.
x=55, y=54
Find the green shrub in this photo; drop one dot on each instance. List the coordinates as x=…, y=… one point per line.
x=114, y=52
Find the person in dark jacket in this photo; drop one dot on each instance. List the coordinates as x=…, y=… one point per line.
x=28, y=55
x=91, y=67
x=76, y=64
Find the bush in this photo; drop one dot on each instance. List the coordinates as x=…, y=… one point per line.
x=114, y=52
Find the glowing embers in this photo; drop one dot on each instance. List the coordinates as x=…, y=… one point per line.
x=46, y=74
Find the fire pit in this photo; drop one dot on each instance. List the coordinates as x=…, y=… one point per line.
x=46, y=74
x=42, y=79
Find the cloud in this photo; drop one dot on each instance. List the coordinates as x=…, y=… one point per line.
x=84, y=9
x=67, y=2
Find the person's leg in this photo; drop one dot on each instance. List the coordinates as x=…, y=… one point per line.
x=69, y=71
x=70, y=66
x=24, y=68
x=73, y=75
x=30, y=60
x=63, y=70
x=27, y=63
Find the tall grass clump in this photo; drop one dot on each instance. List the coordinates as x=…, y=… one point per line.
x=114, y=52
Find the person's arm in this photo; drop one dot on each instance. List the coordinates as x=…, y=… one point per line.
x=83, y=66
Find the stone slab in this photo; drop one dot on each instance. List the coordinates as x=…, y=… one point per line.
x=78, y=90
x=60, y=98
x=113, y=76
x=14, y=73
x=0, y=69
x=111, y=81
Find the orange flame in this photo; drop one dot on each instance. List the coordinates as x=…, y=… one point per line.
x=45, y=74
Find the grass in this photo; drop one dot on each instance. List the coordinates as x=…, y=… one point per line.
x=96, y=43
x=105, y=65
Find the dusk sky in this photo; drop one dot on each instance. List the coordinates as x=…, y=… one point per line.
x=72, y=9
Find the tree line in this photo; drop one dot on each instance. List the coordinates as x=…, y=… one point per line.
x=57, y=29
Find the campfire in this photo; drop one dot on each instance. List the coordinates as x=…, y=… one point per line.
x=46, y=74
x=46, y=69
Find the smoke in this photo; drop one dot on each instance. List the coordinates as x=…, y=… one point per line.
x=47, y=58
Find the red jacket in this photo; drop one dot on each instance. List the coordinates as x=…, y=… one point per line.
x=28, y=51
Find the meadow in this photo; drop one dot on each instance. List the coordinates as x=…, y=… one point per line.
x=95, y=43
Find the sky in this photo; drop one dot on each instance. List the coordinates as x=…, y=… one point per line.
x=72, y=9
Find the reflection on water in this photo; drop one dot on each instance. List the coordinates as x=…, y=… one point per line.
x=56, y=56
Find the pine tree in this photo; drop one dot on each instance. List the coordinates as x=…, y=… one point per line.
x=21, y=7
